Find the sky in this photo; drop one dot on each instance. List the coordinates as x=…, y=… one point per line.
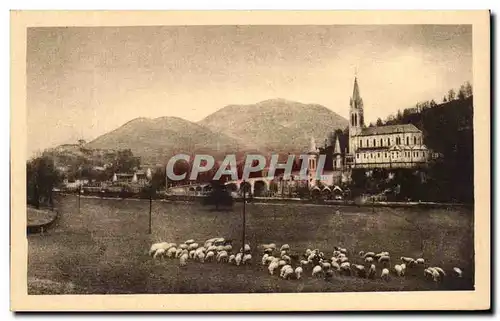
x=83, y=82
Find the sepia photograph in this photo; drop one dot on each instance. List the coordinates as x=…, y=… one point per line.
x=292, y=159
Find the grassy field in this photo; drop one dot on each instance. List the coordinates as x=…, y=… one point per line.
x=103, y=249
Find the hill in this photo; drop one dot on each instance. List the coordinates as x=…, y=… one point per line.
x=154, y=140
x=275, y=124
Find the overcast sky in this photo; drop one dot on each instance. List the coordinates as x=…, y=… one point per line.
x=84, y=82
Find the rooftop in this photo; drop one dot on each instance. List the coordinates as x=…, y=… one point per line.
x=389, y=129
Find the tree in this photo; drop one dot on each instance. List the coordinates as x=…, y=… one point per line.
x=81, y=142
x=41, y=178
x=451, y=95
x=379, y=122
x=461, y=93
x=468, y=89
x=126, y=162
x=219, y=196
x=432, y=104
x=444, y=99
x=158, y=179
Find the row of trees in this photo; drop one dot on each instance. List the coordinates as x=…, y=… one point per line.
x=41, y=178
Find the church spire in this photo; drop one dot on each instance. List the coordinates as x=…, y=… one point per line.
x=336, y=148
x=356, y=97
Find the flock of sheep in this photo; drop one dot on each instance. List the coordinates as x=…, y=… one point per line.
x=292, y=265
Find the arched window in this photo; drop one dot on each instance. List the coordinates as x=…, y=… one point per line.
x=407, y=140
x=415, y=140
x=389, y=141
x=374, y=142
x=352, y=120
x=360, y=143
x=381, y=143
x=355, y=119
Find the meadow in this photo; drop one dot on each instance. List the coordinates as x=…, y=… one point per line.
x=102, y=247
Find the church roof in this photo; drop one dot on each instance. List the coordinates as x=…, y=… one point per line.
x=389, y=129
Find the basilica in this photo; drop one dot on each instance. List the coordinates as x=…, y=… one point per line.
x=390, y=146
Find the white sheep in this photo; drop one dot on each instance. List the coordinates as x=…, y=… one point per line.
x=369, y=260
x=228, y=248
x=282, y=263
x=231, y=259
x=247, y=259
x=326, y=265
x=407, y=260
x=385, y=274
x=162, y=245
x=384, y=259
x=210, y=256
x=420, y=261
x=222, y=256
x=178, y=252
x=308, y=252
x=247, y=248
x=201, y=257
x=335, y=266
x=398, y=269
x=343, y=251
x=220, y=248
x=287, y=273
x=298, y=272
x=270, y=258
x=212, y=248
x=283, y=253
x=183, y=246
x=317, y=270
x=238, y=258
x=379, y=255
x=343, y=260
x=403, y=267
x=440, y=271
x=360, y=270
x=432, y=272
x=457, y=272
x=183, y=259
x=361, y=253
x=171, y=252
x=285, y=247
x=159, y=253
x=304, y=262
x=272, y=267
x=193, y=246
x=369, y=254
x=283, y=268
x=264, y=258
x=189, y=241
x=192, y=254
x=287, y=259
x=372, y=272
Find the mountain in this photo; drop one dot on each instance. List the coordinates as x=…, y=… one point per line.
x=276, y=124
x=155, y=140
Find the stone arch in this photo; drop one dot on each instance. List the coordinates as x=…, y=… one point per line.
x=260, y=188
x=246, y=186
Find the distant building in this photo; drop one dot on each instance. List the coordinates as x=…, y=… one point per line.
x=390, y=146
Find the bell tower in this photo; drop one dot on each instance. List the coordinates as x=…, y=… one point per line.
x=356, y=117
